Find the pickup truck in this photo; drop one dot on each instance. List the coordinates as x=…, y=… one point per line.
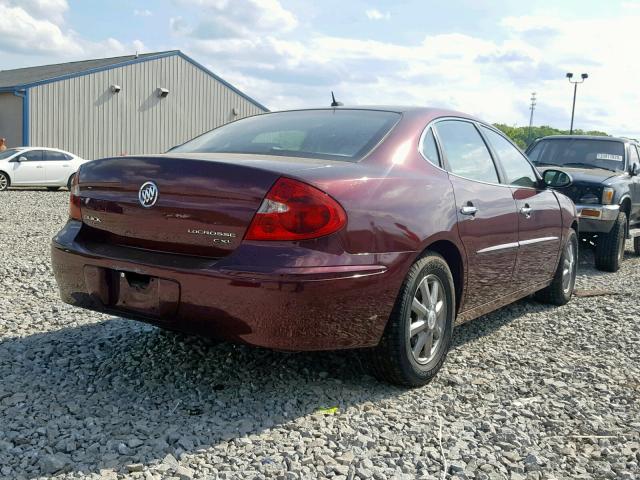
x=605, y=188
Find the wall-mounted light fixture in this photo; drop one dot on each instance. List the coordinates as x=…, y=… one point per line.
x=115, y=88
x=234, y=111
x=162, y=92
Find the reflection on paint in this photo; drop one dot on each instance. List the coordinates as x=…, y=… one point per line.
x=401, y=153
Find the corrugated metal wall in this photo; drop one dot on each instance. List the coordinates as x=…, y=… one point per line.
x=11, y=119
x=83, y=116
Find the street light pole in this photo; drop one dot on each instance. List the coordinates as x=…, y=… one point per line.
x=532, y=108
x=583, y=76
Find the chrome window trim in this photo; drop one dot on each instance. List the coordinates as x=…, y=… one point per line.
x=498, y=132
x=477, y=124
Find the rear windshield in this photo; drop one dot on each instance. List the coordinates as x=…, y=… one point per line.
x=575, y=152
x=339, y=134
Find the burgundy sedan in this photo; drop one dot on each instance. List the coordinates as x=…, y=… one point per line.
x=376, y=228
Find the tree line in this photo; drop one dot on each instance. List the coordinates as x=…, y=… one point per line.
x=522, y=137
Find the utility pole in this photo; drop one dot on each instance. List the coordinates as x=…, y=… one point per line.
x=584, y=76
x=532, y=108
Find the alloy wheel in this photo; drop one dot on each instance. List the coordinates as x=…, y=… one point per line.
x=4, y=182
x=427, y=319
x=569, y=267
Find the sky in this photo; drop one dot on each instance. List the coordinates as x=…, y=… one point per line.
x=482, y=58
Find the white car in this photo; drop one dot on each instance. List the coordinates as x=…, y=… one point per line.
x=37, y=167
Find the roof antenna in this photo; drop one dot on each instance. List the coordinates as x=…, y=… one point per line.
x=335, y=103
x=136, y=53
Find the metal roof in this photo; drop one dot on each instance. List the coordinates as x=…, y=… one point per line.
x=22, y=78
x=29, y=75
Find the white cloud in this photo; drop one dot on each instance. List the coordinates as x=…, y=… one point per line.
x=50, y=10
x=28, y=30
x=246, y=17
x=259, y=46
x=484, y=76
x=142, y=13
x=22, y=32
x=375, y=14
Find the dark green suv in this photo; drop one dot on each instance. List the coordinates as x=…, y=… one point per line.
x=605, y=189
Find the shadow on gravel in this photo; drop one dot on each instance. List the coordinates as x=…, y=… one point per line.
x=114, y=393
x=488, y=324
x=119, y=392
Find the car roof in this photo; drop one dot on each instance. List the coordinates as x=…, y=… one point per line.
x=45, y=148
x=585, y=137
x=429, y=113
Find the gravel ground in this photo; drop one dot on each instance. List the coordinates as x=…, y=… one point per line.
x=527, y=392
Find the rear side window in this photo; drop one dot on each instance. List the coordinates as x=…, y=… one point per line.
x=465, y=151
x=339, y=134
x=578, y=152
x=518, y=170
x=429, y=149
x=54, y=156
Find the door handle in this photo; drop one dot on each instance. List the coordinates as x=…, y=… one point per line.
x=39, y=166
x=526, y=210
x=468, y=210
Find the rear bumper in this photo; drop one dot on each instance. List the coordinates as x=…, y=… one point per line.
x=597, y=218
x=287, y=307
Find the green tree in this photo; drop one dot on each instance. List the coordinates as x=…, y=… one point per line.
x=521, y=137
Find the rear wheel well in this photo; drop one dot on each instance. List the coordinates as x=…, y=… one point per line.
x=574, y=226
x=625, y=207
x=452, y=256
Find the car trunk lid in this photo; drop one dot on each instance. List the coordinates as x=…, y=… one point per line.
x=204, y=204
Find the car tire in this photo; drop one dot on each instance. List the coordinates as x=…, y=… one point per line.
x=430, y=284
x=4, y=181
x=610, y=247
x=636, y=245
x=560, y=291
x=70, y=181
x=53, y=189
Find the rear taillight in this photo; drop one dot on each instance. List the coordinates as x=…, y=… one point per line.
x=74, y=199
x=293, y=210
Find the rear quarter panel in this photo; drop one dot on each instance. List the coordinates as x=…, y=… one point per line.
x=393, y=211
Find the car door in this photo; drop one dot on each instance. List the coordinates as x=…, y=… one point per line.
x=487, y=217
x=58, y=166
x=29, y=170
x=634, y=184
x=539, y=216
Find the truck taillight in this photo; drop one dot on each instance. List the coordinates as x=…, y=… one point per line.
x=293, y=210
x=74, y=199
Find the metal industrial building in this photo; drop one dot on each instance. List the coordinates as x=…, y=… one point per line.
x=125, y=105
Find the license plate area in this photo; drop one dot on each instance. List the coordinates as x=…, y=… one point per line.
x=132, y=291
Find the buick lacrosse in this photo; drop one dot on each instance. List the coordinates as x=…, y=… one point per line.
x=374, y=228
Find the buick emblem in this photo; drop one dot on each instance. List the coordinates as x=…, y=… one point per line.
x=148, y=194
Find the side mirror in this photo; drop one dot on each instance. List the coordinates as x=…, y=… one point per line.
x=556, y=178
x=19, y=159
x=634, y=170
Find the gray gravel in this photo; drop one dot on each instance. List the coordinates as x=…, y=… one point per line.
x=527, y=392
